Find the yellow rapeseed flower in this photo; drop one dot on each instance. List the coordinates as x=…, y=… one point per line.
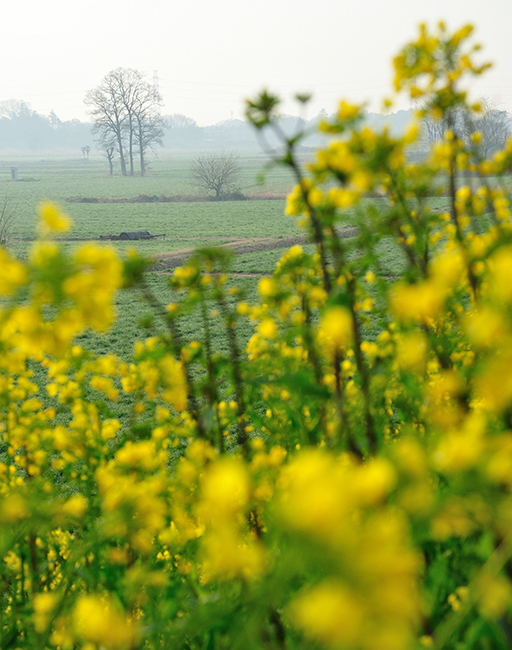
x=44, y=604
x=336, y=328
x=96, y=619
x=347, y=111
x=52, y=219
x=330, y=613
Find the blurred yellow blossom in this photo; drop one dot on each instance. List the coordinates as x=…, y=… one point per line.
x=52, y=219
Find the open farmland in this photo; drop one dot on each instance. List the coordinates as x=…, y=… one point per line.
x=186, y=224
x=256, y=230
x=62, y=180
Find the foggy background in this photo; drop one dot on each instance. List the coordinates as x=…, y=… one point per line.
x=205, y=57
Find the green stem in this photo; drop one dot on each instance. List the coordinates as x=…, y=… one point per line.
x=192, y=402
x=318, y=236
x=211, y=389
x=363, y=370
x=237, y=374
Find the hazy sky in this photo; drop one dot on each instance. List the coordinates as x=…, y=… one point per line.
x=211, y=54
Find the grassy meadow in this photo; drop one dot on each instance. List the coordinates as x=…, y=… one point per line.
x=62, y=180
x=186, y=224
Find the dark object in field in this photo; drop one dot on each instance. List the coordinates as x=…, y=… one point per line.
x=136, y=234
x=131, y=236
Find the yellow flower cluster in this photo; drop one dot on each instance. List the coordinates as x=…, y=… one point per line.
x=434, y=64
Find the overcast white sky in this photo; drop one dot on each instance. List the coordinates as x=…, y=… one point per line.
x=211, y=54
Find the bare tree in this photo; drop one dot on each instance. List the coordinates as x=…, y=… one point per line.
x=13, y=108
x=493, y=125
x=124, y=109
x=454, y=120
x=7, y=217
x=109, y=150
x=108, y=113
x=149, y=125
x=179, y=121
x=149, y=133
x=129, y=82
x=433, y=130
x=217, y=172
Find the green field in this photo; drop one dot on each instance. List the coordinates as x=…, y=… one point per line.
x=186, y=224
x=61, y=179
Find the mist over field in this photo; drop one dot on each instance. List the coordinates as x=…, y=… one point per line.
x=24, y=131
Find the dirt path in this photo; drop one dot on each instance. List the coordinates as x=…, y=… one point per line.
x=173, y=259
x=169, y=260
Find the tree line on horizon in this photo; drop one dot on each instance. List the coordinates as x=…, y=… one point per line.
x=28, y=131
x=127, y=125
x=23, y=130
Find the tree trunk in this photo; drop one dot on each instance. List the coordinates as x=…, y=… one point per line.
x=121, y=153
x=141, y=152
x=130, y=148
x=119, y=133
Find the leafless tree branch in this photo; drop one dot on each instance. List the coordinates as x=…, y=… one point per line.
x=124, y=111
x=216, y=172
x=7, y=218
